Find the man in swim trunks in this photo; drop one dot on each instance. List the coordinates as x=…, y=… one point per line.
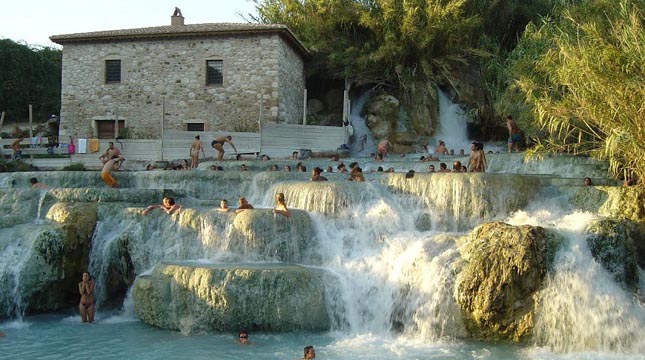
x=513, y=134
x=195, y=147
x=86, y=306
x=218, y=144
x=441, y=148
x=111, y=165
x=109, y=153
x=382, y=147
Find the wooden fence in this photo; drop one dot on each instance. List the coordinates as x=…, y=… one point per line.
x=275, y=140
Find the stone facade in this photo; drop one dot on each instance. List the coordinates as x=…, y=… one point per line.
x=163, y=79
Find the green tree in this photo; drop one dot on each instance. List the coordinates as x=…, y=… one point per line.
x=379, y=41
x=29, y=76
x=581, y=79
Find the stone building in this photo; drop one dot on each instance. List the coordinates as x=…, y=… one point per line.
x=195, y=77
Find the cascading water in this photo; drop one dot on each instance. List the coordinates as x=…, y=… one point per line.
x=390, y=248
x=363, y=143
x=452, y=127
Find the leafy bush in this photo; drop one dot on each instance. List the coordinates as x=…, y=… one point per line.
x=581, y=77
x=78, y=166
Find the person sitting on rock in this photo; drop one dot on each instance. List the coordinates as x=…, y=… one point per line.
x=242, y=205
x=167, y=204
x=310, y=353
x=443, y=168
x=281, y=205
x=35, y=184
x=315, y=174
x=223, y=206
x=441, y=148
x=355, y=173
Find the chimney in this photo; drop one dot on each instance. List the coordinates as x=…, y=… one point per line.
x=177, y=19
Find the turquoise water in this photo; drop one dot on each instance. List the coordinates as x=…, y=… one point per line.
x=118, y=337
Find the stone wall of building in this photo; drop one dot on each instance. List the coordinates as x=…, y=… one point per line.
x=291, y=97
x=165, y=81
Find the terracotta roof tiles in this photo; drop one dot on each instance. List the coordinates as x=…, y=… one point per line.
x=190, y=30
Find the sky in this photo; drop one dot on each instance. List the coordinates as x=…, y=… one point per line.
x=34, y=21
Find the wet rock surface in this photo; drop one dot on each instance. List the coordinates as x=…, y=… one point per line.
x=193, y=297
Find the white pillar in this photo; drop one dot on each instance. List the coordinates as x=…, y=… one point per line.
x=304, y=109
x=116, y=124
x=31, y=117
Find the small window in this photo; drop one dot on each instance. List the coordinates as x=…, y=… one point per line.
x=214, y=74
x=112, y=71
x=195, y=127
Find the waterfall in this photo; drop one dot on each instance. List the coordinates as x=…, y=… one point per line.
x=363, y=143
x=581, y=306
x=389, y=247
x=452, y=127
x=41, y=201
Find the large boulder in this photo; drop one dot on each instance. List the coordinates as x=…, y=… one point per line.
x=503, y=268
x=612, y=243
x=192, y=297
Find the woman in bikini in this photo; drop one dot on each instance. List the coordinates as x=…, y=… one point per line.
x=195, y=148
x=86, y=306
x=281, y=205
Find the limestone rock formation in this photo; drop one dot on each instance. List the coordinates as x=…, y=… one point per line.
x=47, y=260
x=266, y=235
x=612, y=243
x=381, y=115
x=503, y=268
x=622, y=202
x=270, y=297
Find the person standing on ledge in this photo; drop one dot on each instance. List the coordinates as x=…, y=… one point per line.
x=86, y=306
x=218, y=144
x=195, y=147
x=513, y=135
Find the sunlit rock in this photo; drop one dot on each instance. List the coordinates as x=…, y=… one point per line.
x=623, y=202
x=262, y=234
x=191, y=297
x=503, y=269
x=612, y=243
x=18, y=206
